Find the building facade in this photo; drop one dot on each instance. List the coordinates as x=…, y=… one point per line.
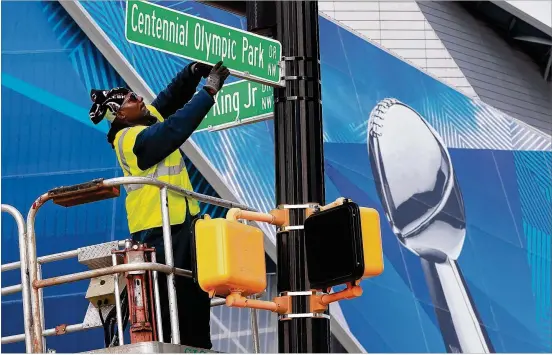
x=455, y=42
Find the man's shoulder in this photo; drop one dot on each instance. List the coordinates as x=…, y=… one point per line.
x=129, y=132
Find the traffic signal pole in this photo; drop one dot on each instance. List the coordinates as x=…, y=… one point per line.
x=299, y=169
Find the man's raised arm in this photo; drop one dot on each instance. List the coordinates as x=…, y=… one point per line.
x=181, y=89
x=158, y=141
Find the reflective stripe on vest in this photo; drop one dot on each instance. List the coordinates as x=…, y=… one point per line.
x=121, y=152
x=160, y=170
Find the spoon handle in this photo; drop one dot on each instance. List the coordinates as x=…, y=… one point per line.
x=457, y=315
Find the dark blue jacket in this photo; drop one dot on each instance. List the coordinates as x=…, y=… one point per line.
x=183, y=112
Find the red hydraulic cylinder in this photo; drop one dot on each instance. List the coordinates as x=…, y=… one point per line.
x=140, y=296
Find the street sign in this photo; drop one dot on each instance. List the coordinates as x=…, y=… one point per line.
x=247, y=55
x=239, y=103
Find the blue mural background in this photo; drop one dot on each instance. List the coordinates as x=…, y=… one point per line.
x=503, y=167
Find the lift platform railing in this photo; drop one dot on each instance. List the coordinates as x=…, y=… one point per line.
x=45, y=332
x=61, y=329
x=89, y=192
x=24, y=285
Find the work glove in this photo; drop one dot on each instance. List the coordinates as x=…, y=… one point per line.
x=216, y=78
x=201, y=69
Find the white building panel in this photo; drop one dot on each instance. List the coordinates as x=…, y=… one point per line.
x=402, y=28
x=446, y=41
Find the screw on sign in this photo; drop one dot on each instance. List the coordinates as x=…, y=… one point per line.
x=247, y=55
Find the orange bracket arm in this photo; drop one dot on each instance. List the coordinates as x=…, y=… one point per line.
x=275, y=217
x=319, y=303
x=281, y=305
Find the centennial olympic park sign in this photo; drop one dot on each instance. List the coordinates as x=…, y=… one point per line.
x=247, y=55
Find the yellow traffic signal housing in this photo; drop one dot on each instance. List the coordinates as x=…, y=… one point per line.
x=230, y=257
x=371, y=242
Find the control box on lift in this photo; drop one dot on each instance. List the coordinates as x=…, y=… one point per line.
x=101, y=291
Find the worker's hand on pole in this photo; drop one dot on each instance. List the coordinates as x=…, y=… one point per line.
x=201, y=69
x=216, y=78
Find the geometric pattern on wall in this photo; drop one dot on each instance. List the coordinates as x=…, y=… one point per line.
x=534, y=176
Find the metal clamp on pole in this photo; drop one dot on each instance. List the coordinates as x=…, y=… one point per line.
x=319, y=301
x=282, y=65
x=298, y=58
x=304, y=206
x=297, y=77
x=308, y=207
x=290, y=316
x=300, y=77
x=308, y=297
x=289, y=228
x=293, y=98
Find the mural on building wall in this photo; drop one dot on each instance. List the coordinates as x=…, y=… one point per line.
x=48, y=69
x=499, y=243
x=461, y=185
x=453, y=177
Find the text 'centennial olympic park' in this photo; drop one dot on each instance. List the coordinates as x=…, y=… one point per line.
x=247, y=55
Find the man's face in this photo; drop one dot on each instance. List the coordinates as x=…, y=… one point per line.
x=133, y=110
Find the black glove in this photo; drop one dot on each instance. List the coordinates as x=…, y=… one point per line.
x=216, y=78
x=201, y=69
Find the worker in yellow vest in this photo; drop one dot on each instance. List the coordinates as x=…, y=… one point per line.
x=147, y=140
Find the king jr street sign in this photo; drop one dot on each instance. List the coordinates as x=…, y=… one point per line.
x=239, y=103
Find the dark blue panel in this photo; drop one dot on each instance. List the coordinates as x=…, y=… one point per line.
x=49, y=142
x=25, y=28
x=484, y=195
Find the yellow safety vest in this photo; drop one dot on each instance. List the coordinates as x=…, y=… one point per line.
x=143, y=202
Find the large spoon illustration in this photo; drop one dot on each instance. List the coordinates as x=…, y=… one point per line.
x=422, y=200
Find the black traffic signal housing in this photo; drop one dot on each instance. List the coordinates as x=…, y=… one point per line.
x=343, y=245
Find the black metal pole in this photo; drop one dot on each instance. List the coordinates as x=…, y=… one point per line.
x=299, y=166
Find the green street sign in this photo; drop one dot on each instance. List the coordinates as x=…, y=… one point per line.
x=247, y=55
x=239, y=103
